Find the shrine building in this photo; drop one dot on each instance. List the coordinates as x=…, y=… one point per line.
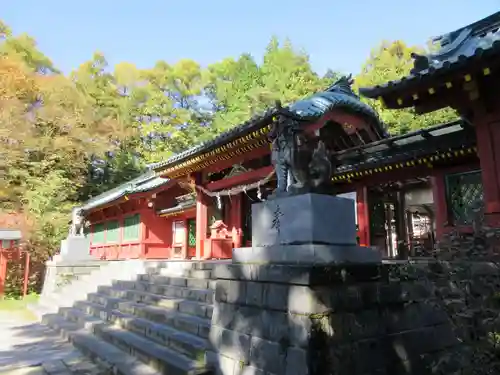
x=409, y=190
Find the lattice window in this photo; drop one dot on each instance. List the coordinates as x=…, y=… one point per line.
x=191, y=232
x=462, y=191
x=113, y=231
x=98, y=233
x=131, y=228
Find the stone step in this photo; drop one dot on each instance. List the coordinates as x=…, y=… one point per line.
x=141, y=289
x=99, y=351
x=190, y=273
x=184, y=267
x=157, y=356
x=185, y=343
x=102, y=300
x=50, y=301
x=182, y=322
x=181, y=281
x=196, y=308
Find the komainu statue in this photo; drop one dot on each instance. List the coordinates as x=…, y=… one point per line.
x=77, y=222
x=302, y=163
x=303, y=155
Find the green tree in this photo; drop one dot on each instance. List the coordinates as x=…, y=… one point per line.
x=240, y=88
x=115, y=96
x=24, y=48
x=391, y=61
x=172, y=117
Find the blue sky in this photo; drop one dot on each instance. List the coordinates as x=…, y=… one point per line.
x=336, y=34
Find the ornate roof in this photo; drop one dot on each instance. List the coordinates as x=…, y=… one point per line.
x=339, y=95
x=145, y=182
x=457, y=49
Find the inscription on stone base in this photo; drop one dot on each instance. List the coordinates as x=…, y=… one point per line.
x=304, y=219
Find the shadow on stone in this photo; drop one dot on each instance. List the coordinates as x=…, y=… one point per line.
x=339, y=314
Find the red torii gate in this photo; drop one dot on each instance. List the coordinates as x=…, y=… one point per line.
x=14, y=254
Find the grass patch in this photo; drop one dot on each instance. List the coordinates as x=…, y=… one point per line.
x=8, y=304
x=19, y=307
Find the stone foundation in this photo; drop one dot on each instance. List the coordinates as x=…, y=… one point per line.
x=61, y=273
x=366, y=320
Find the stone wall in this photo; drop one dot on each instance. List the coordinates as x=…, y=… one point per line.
x=61, y=273
x=397, y=318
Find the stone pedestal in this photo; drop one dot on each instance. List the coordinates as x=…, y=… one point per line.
x=304, y=219
x=306, y=300
x=305, y=229
x=297, y=320
x=75, y=248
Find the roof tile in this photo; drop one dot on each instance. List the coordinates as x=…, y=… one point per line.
x=457, y=49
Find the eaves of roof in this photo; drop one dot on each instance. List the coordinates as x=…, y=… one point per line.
x=447, y=140
x=252, y=124
x=10, y=234
x=458, y=49
x=143, y=183
x=176, y=209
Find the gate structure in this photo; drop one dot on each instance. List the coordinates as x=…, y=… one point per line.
x=9, y=258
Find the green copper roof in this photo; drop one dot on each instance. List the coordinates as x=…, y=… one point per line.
x=145, y=182
x=457, y=49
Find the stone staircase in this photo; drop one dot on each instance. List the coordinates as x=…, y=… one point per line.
x=99, y=273
x=156, y=324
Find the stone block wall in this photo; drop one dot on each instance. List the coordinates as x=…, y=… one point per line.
x=469, y=293
x=396, y=318
x=58, y=274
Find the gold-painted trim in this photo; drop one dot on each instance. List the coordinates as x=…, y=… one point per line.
x=427, y=161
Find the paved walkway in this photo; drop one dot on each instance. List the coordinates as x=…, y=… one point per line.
x=31, y=348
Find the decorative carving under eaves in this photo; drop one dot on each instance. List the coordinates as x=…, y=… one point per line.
x=187, y=182
x=236, y=171
x=186, y=199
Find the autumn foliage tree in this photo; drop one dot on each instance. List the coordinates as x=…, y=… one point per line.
x=48, y=134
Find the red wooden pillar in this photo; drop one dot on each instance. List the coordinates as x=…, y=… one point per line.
x=362, y=212
x=26, y=272
x=236, y=219
x=440, y=204
x=201, y=223
x=143, y=232
x=488, y=138
x=3, y=272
